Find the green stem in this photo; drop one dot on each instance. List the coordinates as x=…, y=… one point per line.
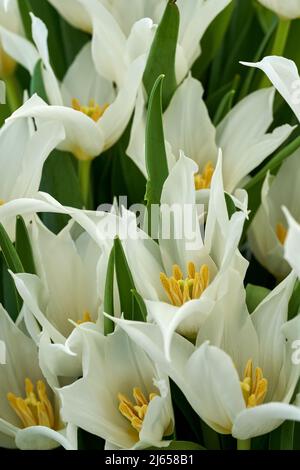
x=244, y=445
x=281, y=37
x=84, y=171
x=13, y=93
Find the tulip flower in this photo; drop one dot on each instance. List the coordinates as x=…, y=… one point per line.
x=240, y=377
x=62, y=294
x=242, y=135
x=122, y=397
x=268, y=231
x=196, y=16
x=93, y=110
x=180, y=277
x=23, y=151
x=29, y=406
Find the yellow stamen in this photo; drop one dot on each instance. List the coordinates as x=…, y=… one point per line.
x=281, y=233
x=254, y=388
x=93, y=110
x=86, y=318
x=135, y=413
x=179, y=289
x=203, y=180
x=36, y=409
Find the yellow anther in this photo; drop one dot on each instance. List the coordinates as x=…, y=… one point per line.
x=93, y=110
x=36, y=409
x=281, y=233
x=254, y=389
x=135, y=413
x=203, y=180
x=179, y=289
x=86, y=318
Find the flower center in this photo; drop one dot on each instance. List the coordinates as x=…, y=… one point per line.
x=135, y=413
x=281, y=233
x=254, y=386
x=36, y=409
x=93, y=110
x=86, y=318
x=203, y=180
x=180, y=290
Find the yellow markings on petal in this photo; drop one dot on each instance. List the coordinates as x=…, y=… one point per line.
x=2, y=202
x=203, y=180
x=179, y=289
x=93, y=110
x=281, y=232
x=86, y=318
x=135, y=412
x=254, y=385
x=36, y=409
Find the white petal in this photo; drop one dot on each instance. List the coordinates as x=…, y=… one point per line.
x=42, y=438
x=284, y=75
x=292, y=243
x=74, y=13
x=22, y=50
x=262, y=419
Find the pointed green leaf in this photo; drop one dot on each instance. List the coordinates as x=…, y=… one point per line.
x=231, y=209
x=9, y=252
x=224, y=107
x=37, y=83
x=109, y=294
x=156, y=158
x=140, y=311
x=23, y=246
x=24, y=9
x=124, y=279
x=162, y=54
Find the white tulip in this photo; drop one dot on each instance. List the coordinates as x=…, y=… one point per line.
x=195, y=17
x=268, y=231
x=242, y=135
x=94, y=110
x=240, y=377
x=68, y=289
x=29, y=407
x=121, y=397
x=288, y=9
x=180, y=277
x=23, y=151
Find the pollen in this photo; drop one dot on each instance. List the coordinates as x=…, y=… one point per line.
x=36, y=409
x=203, y=180
x=254, y=386
x=93, y=110
x=179, y=289
x=281, y=233
x=86, y=318
x=135, y=412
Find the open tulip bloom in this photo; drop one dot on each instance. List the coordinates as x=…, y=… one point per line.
x=150, y=286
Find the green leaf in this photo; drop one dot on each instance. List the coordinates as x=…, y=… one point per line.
x=37, y=83
x=10, y=254
x=24, y=9
x=255, y=295
x=23, y=246
x=181, y=445
x=294, y=304
x=124, y=279
x=140, y=310
x=13, y=263
x=274, y=163
x=156, y=158
x=224, y=107
x=162, y=54
x=109, y=294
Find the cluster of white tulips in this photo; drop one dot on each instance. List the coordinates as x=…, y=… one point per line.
x=149, y=224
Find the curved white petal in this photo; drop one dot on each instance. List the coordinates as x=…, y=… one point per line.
x=74, y=12
x=42, y=438
x=22, y=50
